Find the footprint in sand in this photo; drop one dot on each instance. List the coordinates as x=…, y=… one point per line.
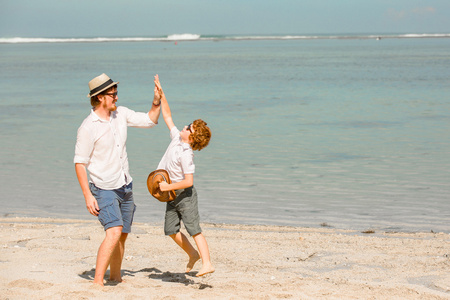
x=30, y=284
x=77, y=295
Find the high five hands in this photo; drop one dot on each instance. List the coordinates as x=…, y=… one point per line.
x=158, y=91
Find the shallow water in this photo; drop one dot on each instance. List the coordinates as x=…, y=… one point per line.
x=351, y=133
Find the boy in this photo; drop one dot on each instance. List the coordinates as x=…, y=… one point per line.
x=178, y=162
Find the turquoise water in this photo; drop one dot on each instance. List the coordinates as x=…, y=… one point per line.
x=351, y=133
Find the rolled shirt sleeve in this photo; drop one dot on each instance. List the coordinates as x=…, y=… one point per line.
x=187, y=161
x=83, y=146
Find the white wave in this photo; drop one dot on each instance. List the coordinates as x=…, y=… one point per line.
x=173, y=37
x=413, y=35
x=198, y=37
x=183, y=37
x=17, y=40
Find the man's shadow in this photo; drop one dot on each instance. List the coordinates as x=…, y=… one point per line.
x=154, y=274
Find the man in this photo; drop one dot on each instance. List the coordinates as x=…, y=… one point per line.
x=101, y=149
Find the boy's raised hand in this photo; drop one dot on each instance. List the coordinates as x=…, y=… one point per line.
x=165, y=109
x=157, y=91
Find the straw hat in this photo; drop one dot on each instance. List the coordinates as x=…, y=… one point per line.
x=153, y=181
x=100, y=84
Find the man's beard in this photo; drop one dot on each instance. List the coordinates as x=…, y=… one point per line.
x=112, y=108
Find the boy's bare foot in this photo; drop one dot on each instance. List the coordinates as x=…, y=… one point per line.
x=116, y=280
x=206, y=269
x=97, y=284
x=192, y=261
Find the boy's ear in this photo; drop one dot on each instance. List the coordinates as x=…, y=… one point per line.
x=191, y=140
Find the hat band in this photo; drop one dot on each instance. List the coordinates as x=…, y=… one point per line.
x=101, y=87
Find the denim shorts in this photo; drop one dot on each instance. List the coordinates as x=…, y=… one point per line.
x=183, y=208
x=116, y=206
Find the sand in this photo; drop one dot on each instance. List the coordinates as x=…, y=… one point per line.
x=55, y=259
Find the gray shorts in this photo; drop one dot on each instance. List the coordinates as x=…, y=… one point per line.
x=183, y=208
x=116, y=206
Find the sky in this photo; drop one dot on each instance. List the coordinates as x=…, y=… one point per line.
x=148, y=18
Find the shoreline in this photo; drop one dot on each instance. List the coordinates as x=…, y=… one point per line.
x=55, y=258
x=364, y=230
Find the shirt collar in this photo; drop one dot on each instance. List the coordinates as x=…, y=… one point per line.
x=185, y=146
x=96, y=118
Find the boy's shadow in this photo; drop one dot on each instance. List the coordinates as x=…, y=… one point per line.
x=179, y=277
x=154, y=274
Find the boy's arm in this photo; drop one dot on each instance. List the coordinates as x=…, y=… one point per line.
x=164, y=105
x=188, y=181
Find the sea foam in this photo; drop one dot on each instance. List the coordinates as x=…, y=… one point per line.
x=198, y=37
x=183, y=37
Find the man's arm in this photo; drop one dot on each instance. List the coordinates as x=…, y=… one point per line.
x=156, y=106
x=167, y=114
x=91, y=202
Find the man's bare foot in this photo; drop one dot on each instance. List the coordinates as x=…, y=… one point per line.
x=206, y=269
x=192, y=261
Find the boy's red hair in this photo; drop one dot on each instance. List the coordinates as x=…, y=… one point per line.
x=201, y=136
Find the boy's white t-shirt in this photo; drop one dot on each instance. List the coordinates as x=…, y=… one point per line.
x=178, y=159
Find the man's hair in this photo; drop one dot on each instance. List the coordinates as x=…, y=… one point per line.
x=94, y=99
x=201, y=135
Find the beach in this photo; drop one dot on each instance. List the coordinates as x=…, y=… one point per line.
x=326, y=176
x=50, y=258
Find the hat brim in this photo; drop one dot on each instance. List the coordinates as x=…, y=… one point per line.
x=153, y=180
x=103, y=89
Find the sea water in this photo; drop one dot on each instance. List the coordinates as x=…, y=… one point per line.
x=350, y=133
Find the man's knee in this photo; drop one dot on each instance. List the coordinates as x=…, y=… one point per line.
x=123, y=237
x=114, y=233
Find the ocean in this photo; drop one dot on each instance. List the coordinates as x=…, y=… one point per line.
x=348, y=132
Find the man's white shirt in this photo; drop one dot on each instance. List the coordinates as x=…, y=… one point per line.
x=101, y=146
